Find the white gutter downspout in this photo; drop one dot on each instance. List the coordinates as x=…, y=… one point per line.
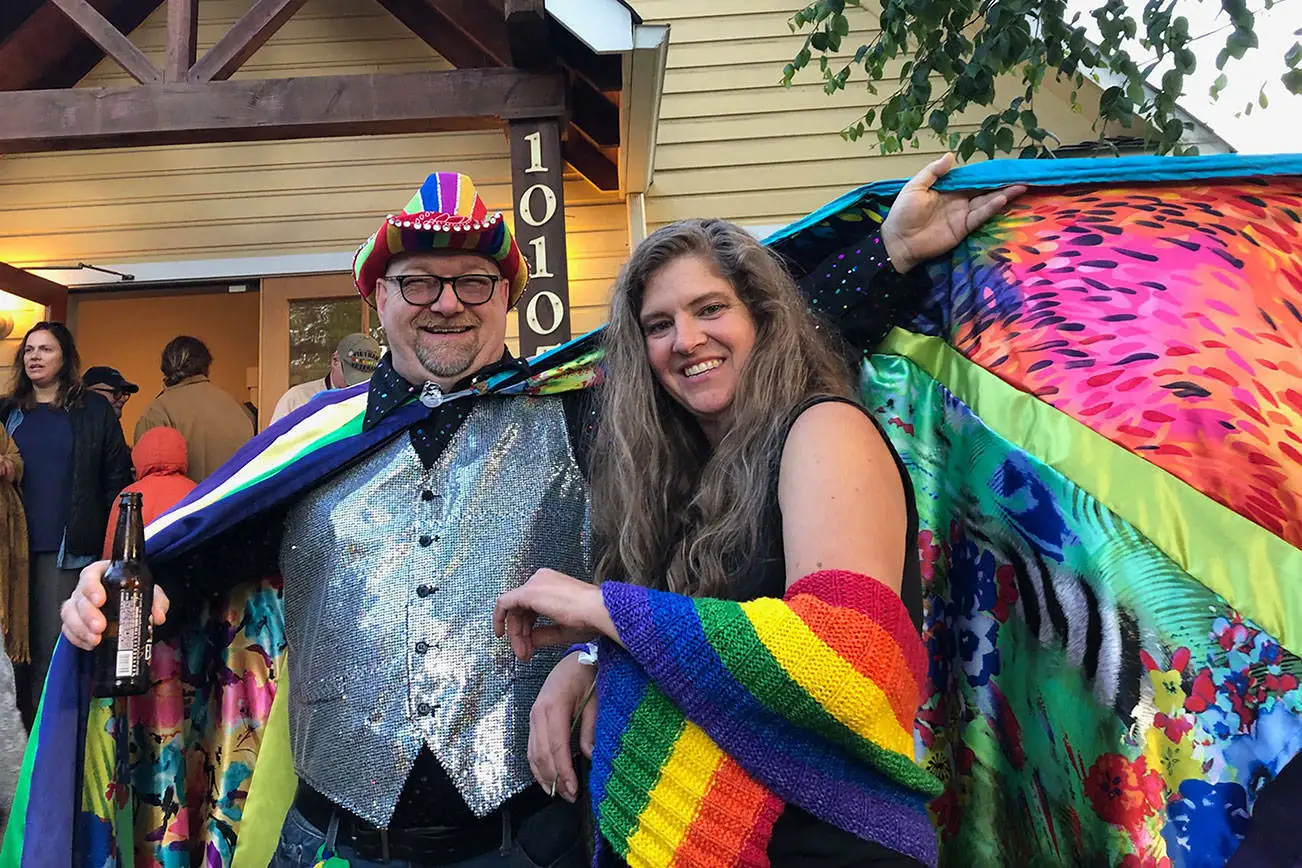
x=639, y=106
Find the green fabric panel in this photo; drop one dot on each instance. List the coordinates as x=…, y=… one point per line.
x=1229, y=554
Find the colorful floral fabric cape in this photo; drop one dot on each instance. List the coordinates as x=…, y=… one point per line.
x=1099, y=399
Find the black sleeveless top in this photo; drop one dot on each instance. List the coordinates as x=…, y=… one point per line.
x=766, y=575
x=801, y=840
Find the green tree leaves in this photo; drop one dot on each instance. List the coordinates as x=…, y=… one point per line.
x=942, y=57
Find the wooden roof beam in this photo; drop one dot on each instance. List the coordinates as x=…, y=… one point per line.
x=292, y=108
x=604, y=72
x=527, y=35
x=117, y=46
x=481, y=22
x=37, y=289
x=588, y=160
x=244, y=38
x=48, y=51
x=597, y=116
x=182, y=37
x=438, y=34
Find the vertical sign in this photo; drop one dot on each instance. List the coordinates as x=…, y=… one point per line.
x=536, y=182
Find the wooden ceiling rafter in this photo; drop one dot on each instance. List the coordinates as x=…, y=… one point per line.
x=111, y=41
x=46, y=51
x=35, y=288
x=478, y=33
x=244, y=38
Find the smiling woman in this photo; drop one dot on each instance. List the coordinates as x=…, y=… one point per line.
x=735, y=449
x=754, y=653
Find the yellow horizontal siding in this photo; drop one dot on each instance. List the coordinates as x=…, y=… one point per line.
x=734, y=143
x=274, y=198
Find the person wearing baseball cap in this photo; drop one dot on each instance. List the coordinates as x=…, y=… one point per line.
x=353, y=362
x=110, y=383
x=408, y=724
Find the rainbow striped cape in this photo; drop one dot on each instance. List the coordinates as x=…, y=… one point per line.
x=720, y=713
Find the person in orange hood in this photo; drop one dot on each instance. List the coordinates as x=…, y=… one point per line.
x=161, y=463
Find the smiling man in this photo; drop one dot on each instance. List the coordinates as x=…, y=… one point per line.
x=408, y=723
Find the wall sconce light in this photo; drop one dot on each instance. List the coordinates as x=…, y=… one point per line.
x=6, y=324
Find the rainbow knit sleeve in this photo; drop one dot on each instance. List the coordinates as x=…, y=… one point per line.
x=720, y=712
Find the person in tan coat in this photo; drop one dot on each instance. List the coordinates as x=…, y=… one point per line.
x=213, y=423
x=13, y=552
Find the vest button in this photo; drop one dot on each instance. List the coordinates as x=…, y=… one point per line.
x=427, y=495
x=423, y=708
x=424, y=591
x=422, y=646
x=425, y=540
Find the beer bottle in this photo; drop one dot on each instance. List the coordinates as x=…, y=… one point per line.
x=122, y=657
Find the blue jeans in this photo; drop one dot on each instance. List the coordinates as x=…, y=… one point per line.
x=539, y=843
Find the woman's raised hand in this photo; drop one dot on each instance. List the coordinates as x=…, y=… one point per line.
x=924, y=223
x=574, y=608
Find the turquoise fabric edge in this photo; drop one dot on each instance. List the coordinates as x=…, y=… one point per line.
x=1058, y=173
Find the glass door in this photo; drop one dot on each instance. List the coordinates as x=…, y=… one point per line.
x=303, y=320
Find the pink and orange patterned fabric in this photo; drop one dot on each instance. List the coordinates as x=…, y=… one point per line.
x=1194, y=364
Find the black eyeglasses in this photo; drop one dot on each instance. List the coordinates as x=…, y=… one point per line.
x=422, y=290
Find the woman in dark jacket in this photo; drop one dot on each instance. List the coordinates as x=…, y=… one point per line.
x=76, y=461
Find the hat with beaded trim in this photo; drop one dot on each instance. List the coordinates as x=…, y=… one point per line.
x=445, y=214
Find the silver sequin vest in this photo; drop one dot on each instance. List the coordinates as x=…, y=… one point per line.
x=391, y=573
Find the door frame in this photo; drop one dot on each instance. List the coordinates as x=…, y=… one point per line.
x=34, y=288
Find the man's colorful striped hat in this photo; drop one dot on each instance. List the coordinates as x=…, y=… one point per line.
x=445, y=214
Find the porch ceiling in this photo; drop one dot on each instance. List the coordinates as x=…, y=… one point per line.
x=41, y=48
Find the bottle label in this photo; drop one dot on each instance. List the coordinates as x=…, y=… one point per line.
x=129, y=622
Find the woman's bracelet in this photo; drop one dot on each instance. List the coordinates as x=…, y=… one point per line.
x=587, y=653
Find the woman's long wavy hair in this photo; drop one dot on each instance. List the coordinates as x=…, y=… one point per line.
x=23, y=391
x=669, y=511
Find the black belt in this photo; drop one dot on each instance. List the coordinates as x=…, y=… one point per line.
x=429, y=844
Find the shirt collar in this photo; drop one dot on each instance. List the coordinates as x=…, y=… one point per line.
x=389, y=390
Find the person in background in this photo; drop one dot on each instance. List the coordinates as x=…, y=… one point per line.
x=75, y=462
x=353, y=362
x=213, y=423
x=110, y=383
x=13, y=736
x=14, y=577
x=159, y=457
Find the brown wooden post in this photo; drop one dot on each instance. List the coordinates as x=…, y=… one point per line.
x=182, y=33
x=538, y=185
